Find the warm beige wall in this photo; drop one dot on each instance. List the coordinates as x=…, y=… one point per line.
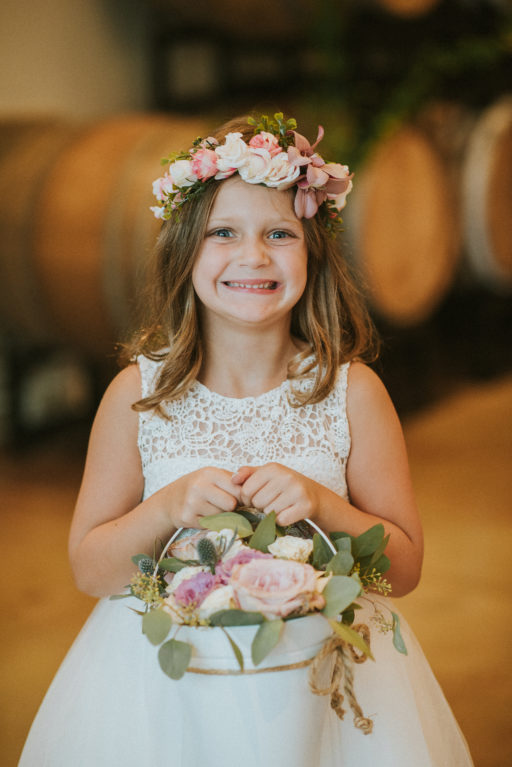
x=77, y=58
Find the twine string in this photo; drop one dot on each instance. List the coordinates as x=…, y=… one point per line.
x=343, y=670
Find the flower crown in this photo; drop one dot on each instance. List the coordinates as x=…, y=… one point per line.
x=276, y=156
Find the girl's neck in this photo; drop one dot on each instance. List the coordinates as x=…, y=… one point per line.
x=247, y=364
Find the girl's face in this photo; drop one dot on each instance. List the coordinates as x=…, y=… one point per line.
x=252, y=266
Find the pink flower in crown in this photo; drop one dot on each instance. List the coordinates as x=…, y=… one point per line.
x=162, y=187
x=191, y=592
x=224, y=570
x=256, y=167
x=204, y=163
x=266, y=141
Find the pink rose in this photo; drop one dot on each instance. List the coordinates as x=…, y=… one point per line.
x=162, y=187
x=266, y=141
x=224, y=570
x=204, y=163
x=191, y=592
x=276, y=587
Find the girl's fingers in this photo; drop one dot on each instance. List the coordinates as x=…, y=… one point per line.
x=242, y=475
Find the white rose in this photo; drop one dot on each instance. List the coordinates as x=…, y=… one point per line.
x=182, y=174
x=290, y=547
x=232, y=154
x=281, y=173
x=256, y=167
x=184, y=574
x=220, y=598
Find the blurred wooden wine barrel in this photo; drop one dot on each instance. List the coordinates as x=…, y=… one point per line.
x=487, y=196
x=90, y=229
x=403, y=228
x=28, y=149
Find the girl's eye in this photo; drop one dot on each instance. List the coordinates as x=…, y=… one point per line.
x=279, y=234
x=222, y=233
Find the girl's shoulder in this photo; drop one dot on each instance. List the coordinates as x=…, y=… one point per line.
x=368, y=401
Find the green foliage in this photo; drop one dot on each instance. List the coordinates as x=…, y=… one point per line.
x=321, y=552
x=174, y=565
x=156, y=625
x=207, y=553
x=341, y=563
x=228, y=520
x=277, y=125
x=265, y=639
x=265, y=533
x=236, y=650
x=368, y=542
x=352, y=637
x=174, y=658
x=339, y=593
x=235, y=618
x=397, y=636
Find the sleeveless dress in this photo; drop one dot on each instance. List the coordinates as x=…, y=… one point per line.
x=110, y=705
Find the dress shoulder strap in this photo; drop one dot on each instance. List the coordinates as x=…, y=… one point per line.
x=149, y=371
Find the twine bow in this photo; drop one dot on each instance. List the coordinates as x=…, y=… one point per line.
x=344, y=657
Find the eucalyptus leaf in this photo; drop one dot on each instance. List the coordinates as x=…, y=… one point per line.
x=343, y=543
x=236, y=650
x=339, y=593
x=228, y=520
x=341, y=563
x=383, y=564
x=347, y=616
x=156, y=624
x=368, y=542
x=265, y=533
x=397, y=636
x=174, y=657
x=352, y=637
x=235, y=618
x=174, y=565
x=379, y=551
x=321, y=552
x=265, y=639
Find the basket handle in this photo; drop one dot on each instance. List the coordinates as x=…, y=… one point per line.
x=315, y=527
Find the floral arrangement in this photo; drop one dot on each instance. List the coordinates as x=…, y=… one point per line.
x=276, y=156
x=243, y=569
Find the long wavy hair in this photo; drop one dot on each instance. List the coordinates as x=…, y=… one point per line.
x=330, y=318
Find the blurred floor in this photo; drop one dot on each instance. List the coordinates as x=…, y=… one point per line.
x=460, y=456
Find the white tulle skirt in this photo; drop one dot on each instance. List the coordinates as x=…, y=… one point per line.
x=110, y=704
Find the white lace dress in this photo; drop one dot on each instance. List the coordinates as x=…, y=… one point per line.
x=110, y=705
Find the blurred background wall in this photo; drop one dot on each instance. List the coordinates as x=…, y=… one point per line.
x=414, y=96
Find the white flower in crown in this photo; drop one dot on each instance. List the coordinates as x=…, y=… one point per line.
x=256, y=167
x=231, y=155
x=181, y=173
x=282, y=174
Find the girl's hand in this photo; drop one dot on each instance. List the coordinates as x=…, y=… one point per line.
x=202, y=493
x=274, y=487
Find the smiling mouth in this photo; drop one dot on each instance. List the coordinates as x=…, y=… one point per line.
x=264, y=285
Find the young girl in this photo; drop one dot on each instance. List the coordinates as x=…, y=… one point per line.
x=247, y=387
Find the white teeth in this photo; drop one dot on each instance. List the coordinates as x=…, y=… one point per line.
x=261, y=285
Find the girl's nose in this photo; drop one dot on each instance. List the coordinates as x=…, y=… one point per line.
x=253, y=253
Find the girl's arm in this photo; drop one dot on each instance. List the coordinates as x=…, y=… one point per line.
x=378, y=479
x=110, y=522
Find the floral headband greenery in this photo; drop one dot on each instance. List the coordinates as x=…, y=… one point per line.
x=276, y=156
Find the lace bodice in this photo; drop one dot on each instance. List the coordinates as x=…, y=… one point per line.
x=209, y=429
